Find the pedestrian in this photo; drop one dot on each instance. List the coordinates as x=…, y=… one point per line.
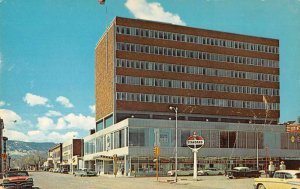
x=282, y=166
x=271, y=169
x=122, y=170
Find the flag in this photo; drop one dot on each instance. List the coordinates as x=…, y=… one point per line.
x=101, y=2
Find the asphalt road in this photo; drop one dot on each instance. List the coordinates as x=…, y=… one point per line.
x=46, y=180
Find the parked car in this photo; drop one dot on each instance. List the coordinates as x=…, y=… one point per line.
x=181, y=172
x=84, y=173
x=57, y=170
x=17, y=179
x=283, y=179
x=64, y=170
x=239, y=172
x=211, y=171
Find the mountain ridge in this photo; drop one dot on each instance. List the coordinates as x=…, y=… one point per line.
x=21, y=148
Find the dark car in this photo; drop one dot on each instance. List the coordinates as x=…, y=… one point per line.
x=17, y=179
x=239, y=172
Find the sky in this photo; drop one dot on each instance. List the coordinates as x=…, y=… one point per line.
x=47, y=54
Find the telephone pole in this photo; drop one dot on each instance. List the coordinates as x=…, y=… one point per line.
x=1, y=135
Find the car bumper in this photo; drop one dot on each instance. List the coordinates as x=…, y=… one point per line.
x=18, y=185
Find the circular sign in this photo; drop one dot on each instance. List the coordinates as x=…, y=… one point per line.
x=195, y=141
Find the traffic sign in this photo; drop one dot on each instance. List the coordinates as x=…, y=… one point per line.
x=156, y=151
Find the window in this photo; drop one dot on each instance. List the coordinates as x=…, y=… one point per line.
x=137, y=136
x=108, y=121
x=99, y=126
x=183, y=136
x=224, y=139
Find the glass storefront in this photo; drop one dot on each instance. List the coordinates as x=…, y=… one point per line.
x=235, y=147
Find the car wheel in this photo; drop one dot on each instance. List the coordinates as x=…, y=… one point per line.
x=261, y=186
x=220, y=173
x=206, y=174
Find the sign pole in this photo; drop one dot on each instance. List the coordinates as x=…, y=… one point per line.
x=156, y=152
x=195, y=142
x=195, y=165
x=156, y=168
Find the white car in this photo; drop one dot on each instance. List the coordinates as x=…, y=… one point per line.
x=210, y=171
x=181, y=172
x=282, y=179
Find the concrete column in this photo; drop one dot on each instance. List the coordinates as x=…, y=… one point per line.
x=125, y=165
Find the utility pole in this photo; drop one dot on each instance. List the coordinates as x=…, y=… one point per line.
x=1, y=134
x=4, y=156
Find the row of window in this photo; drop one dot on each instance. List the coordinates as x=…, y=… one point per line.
x=101, y=143
x=196, y=39
x=166, y=138
x=186, y=100
x=195, y=85
x=148, y=49
x=195, y=70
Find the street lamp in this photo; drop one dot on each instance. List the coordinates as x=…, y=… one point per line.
x=175, y=109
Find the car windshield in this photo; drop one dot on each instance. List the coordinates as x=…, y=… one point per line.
x=17, y=173
x=297, y=175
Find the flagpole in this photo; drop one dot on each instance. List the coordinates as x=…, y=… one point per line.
x=102, y=2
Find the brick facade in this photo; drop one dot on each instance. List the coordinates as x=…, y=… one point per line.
x=106, y=87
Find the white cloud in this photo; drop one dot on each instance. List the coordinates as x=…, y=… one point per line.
x=55, y=136
x=52, y=113
x=10, y=118
x=2, y=103
x=34, y=100
x=76, y=122
x=64, y=101
x=40, y=136
x=152, y=11
x=16, y=135
x=45, y=123
x=92, y=108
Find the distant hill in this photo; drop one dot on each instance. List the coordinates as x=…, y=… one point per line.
x=20, y=148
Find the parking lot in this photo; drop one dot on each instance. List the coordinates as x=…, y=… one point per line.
x=48, y=180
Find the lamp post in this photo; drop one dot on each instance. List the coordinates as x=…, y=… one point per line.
x=175, y=109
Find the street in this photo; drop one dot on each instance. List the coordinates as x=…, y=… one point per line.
x=48, y=180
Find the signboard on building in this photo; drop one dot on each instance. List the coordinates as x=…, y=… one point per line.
x=108, y=142
x=156, y=137
x=74, y=160
x=293, y=128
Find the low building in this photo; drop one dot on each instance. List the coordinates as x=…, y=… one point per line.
x=72, y=151
x=55, y=155
x=226, y=145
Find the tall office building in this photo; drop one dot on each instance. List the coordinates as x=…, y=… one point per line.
x=143, y=67
x=225, y=86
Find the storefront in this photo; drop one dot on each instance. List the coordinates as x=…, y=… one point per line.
x=226, y=145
